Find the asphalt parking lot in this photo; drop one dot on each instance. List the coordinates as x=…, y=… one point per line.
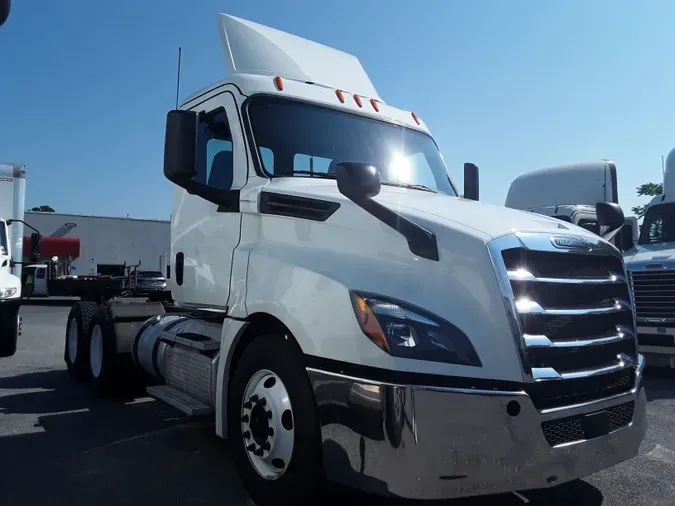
x=58, y=445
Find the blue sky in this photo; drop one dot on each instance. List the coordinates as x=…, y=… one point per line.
x=508, y=85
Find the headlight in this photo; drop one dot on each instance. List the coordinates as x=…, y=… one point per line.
x=5, y=293
x=406, y=331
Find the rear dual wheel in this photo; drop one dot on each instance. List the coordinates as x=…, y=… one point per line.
x=91, y=350
x=76, y=353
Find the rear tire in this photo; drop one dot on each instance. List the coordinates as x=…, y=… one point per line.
x=300, y=478
x=76, y=349
x=109, y=371
x=9, y=331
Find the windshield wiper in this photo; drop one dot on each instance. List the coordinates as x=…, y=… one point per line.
x=412, y=186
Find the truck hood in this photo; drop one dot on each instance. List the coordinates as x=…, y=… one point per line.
x=488, y=220
x=8, y=280
x=662, y=253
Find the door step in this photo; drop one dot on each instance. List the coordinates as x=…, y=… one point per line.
x=179, y=400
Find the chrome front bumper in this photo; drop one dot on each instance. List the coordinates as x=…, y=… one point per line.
x=661, y=347
x=423, y=442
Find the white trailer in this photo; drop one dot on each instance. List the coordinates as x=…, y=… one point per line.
x=341, y=314
x=12, y=205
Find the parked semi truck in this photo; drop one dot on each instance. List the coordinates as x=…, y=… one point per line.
x=569, y=192
x=651, y=264
x=12, y=202
x=341, y=314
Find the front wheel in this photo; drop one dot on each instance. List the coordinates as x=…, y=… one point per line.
x=273, y=424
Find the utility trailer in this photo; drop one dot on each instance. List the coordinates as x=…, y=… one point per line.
x=342, y=314
x=47, y=283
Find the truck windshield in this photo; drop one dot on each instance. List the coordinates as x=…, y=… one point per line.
x=303, y=140
x=658, y=225
x=3, y=238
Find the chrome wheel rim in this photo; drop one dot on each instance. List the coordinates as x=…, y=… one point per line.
x=267, y=424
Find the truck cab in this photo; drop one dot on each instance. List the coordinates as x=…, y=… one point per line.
x=651, y=264
x=10, y=296
x=342, y=314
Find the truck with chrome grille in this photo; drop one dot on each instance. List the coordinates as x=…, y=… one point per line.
x=651, y=266
x=341, y=314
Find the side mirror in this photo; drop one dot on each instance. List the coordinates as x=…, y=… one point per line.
x=626, y=239
x=12, y=263
x=471, y=183
x=357, y=181
x=609, y=215
x=5, y=7
x=179, y=146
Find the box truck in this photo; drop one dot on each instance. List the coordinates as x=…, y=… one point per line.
x=12, y=204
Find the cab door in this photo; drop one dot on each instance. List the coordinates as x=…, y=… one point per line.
x=203, y=234
x=40, y=281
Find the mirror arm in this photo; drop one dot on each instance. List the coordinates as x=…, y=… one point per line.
x=608, y=236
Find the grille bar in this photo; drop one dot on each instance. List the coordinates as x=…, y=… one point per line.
x=542, y=341
x=523, y=275
x=527, y=306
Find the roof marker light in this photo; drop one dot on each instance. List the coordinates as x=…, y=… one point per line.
x=373, y=102
x=357, y=99
x=279, y=83
x=340, y=96
x=417, y=120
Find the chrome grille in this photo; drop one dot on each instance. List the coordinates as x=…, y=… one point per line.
x=573, y=316
x=654, y=294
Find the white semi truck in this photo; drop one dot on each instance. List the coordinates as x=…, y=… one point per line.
x=12, y=205
x=569, y=192
x=341, y=314
x=651, y=264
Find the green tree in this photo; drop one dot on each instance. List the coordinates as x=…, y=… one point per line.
x=43, y=209
x=646, y=190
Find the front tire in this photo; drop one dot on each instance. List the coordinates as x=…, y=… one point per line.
x=273, y=424
x=76, y=349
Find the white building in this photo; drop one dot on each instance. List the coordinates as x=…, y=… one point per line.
x=99, y=244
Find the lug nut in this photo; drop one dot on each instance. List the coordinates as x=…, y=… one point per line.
x=259, y=452
x=248, y=404
x=262, y=401
x=253, y=398
x=269, y=414
x=246, y=435
x=270, y=432
x=251, y=447
x=266, y=446
x=244, y=418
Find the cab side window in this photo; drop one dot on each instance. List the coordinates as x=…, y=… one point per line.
x=215, y=161
x=40, y=273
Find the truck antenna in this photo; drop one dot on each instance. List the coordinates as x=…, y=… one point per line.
x=178, y=77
